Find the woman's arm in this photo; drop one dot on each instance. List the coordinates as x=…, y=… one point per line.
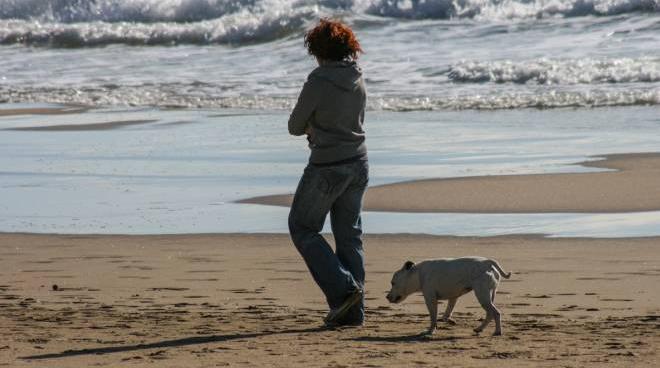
x=307, y=102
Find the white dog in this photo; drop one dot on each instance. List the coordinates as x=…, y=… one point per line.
x=450, y=278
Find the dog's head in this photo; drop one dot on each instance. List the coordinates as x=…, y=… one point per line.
x=403, y=283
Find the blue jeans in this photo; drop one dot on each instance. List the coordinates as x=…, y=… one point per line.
x=338, y=190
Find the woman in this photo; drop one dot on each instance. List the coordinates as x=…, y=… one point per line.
x=330, y=110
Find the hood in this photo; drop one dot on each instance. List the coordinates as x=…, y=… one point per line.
x=344, y=74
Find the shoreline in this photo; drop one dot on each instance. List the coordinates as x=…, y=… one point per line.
x=630, y=185
x=525, y=236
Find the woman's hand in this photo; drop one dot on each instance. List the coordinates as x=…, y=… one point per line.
x=310, y=135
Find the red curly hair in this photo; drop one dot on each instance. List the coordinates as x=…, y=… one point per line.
x=332, y=40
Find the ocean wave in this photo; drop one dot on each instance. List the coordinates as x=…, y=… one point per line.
x=142, y=11
x=79, y=23
x=503, y=9
x=538, y=9
x=193, y=95
x=70, y=11
x=548, y=71
x=522, y=100
x=238, y=28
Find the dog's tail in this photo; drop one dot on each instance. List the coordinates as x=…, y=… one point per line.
x=499, y=269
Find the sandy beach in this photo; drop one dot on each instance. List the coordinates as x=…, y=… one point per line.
x=630, y=185
x=247, y=300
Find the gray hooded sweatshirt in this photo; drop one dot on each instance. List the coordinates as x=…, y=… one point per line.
x=332, y=103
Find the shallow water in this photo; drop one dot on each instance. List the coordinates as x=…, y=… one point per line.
x=182, y=172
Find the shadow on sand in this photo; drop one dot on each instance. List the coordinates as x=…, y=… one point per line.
x=169, y=343
x=421, y=337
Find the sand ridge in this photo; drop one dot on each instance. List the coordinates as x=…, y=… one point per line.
x=632, y=184
x=84, y=127
x=247, y=300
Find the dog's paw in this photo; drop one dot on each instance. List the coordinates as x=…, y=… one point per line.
x=497, y=333
x=477, y=330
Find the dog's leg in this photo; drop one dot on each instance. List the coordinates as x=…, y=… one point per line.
x=497, y=315
x=489, y=314
x=451, y=303
x=432, y=304
x=497, y=282
x=498, y=321
x=483, y=288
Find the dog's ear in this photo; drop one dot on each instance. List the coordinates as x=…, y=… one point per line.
x=408, y=265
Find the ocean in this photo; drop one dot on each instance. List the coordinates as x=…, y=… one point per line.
x=456, y=88
x=420, y=55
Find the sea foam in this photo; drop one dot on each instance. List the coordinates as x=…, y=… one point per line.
x=548, y=71
x=184, y=96
x=77, y=23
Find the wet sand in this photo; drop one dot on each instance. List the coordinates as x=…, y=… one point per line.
x=632, y=185
x=84, y=127
x=72, y=109
x=247, y=300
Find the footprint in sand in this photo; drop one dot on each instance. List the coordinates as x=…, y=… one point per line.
x=291, y=271
x=567, y=308
x=505, y=355
x=168, y=289
x=206, y=271
x=141, y=268
x=193, y=280
x=542, y=296
x=258, y=290
x=202, y=260
x=638, y=273
x=537, y=315
x=44, y=271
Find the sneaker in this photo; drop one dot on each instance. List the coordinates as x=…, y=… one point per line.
x=336, y=314
x=344, y=323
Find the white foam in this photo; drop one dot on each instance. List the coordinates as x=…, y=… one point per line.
x=75, y=23
x=70, y=11
x=148, y=11
x=173, y=95
x=521, y=100
x=548, y=71
x=503, y=9
x=243, y=26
